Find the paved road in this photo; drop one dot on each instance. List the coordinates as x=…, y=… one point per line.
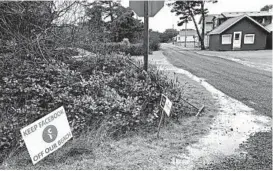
x=248, y=85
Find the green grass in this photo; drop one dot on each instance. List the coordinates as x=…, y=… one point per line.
x=139, y=151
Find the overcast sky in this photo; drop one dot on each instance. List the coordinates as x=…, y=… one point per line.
x=165, y=19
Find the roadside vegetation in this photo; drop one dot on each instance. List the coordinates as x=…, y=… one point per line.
x=106, y=93
x=108, y=98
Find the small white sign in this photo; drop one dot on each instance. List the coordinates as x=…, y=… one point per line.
x=166, y=104
x=47, y=134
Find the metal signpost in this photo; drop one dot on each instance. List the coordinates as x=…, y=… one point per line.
x=146, y=9
x=46, y=135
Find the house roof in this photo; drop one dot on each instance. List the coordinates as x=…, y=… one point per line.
x=269, y=27
x=230, y=22
x=188, y=32
x=208, y=18
x=249, y=13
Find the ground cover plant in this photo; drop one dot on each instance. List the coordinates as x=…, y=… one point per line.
x=106, y=89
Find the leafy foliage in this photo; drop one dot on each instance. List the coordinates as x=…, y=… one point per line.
x=106, y=89
x=187, y=10
x=266, y=8
x=167, y=35
x=122, y=24
x=154, y=41
x=24, y=18
x=38, y=75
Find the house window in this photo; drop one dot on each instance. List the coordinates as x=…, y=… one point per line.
x=237, y=36
x=249, y=38
x=178, y=38
x=226, y=39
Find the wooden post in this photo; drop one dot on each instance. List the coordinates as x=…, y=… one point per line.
x=185, y=44
x=159, y=125
x=146, y=35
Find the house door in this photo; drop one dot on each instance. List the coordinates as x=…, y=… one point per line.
x=237, y=39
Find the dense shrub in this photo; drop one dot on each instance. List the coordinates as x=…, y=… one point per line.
x=108, y=48
x=107, y=89
x=154, y=41
x=135, y=49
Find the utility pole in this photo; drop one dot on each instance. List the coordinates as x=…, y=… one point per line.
x=146, y=35
x=203, y=25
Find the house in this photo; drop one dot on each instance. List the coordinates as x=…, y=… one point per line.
x=189, y=36
x=209, y=25
x=214, y=20
x=269, y=37
x=239, y=33
x=262, y=17
x=209, y=22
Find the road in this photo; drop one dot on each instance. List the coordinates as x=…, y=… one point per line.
x=249, y=85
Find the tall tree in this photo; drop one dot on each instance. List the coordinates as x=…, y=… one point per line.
x=24, y=18
x=266, y=8
x=188, y=10
x=125, y=25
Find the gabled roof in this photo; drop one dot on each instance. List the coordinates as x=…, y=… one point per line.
x=209, y=17
x=269, y=27
x=249, y=13
x=230, y=22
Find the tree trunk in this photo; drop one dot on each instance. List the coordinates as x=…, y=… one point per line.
x=199, y=35
x=203, y=26
x=111, y=11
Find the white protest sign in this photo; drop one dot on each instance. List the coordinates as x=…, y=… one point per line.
x=47, y=134
x=166, y=104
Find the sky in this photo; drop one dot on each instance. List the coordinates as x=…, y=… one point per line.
x=164, y=19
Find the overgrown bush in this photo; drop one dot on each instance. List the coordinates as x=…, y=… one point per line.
x=154, y=41
x=108, y=48
x=106, y=89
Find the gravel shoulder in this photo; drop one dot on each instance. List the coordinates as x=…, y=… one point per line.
x=240, y=136
x=233, y=125
x=251, y=86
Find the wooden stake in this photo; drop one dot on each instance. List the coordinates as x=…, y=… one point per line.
x=200, y=110
x=159, y=125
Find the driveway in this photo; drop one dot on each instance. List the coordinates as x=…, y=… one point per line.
x=249, y=85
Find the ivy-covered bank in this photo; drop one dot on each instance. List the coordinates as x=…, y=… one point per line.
x=109, y=90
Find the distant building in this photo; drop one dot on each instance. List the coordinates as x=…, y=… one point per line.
x=188, y=35
x=239, y=33
x=214, y=20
